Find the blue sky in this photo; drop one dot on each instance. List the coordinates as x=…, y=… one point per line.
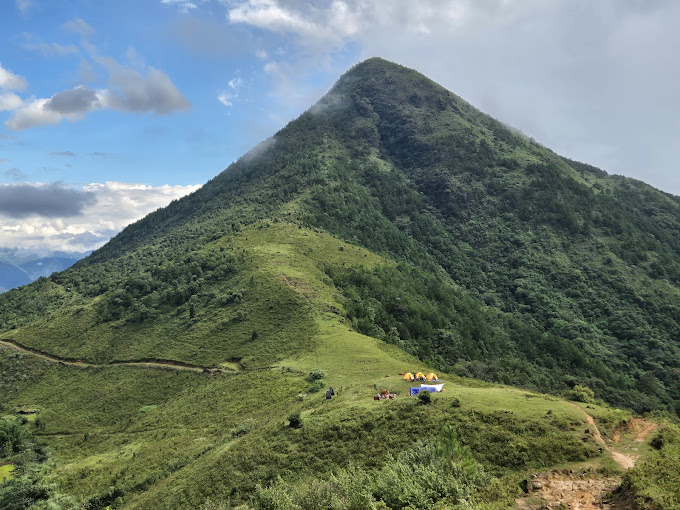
x=120, y=106
x=58, y=46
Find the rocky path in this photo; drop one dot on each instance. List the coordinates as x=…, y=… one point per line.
x=164, y=364
x=582, y=491
x=624, y=461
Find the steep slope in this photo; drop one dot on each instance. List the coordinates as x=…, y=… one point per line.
x=391, y=209
x=585, y=266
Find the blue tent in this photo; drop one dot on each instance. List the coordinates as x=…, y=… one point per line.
x=415, y=391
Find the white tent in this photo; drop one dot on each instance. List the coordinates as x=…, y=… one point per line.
x=431, y=387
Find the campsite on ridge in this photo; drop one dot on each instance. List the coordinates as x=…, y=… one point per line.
x=392, y=229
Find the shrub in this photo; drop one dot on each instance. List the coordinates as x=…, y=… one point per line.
x=294, y=421
x=581, y=394
x=316, y=386
x=317, y=375
x=424, y=397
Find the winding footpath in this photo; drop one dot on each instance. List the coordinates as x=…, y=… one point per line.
x=624, y=461
x=162, y=364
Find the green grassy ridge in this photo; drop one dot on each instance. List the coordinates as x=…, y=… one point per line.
x=160, y=436
x=226, y=315
x=181, y=451
x=392, y=162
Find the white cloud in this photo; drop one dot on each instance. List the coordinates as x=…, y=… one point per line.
x=131, y=91
x=80, y=27
x=128, y=90
x=10, y=81
x=224, y=98
x=227, y=97
x=108, y=208
x=32, y=43
x=235, y=83
x=69, y=104
x=24, y=6
x=183, y=6
x=9, y=101
x=269, y=15
x=330, y=25
x=33, y=113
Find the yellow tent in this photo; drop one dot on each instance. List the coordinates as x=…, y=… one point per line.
x=420, y=375
x=431, y=376
x=408, y=376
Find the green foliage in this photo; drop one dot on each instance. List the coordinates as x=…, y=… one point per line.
x=12, y=436
x=424, y=397
x=500, y=261
x=317, y=374
x=581, y=394
x=418, y=478
x=654, y=483
x=580, y=270
x=294, y=420
x=23, y=492
x=244, y=427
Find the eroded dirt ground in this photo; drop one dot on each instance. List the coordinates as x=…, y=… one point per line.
x=585, y=490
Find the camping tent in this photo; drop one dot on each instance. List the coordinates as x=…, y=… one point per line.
x=408, y=376
x=431, y=377
x=432, y=387
x=420, y=375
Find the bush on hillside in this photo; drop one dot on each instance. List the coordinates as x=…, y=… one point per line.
x=294, y=421
x=317, y=375
x=12, y=436
x=581, y=394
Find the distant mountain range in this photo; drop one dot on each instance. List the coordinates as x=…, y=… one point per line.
x=18, y=269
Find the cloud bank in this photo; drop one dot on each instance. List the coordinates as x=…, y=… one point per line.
x=131, y=88
x=57, y=217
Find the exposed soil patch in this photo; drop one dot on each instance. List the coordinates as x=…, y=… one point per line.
x=557, y=490
x=643, y=428
x=638, y=426
x=586, y=491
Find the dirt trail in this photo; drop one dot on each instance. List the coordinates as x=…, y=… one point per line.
x=644, y=428
x=624, y=461
x=164, y=364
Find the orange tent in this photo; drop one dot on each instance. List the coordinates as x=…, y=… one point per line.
x=431, y=376
x=420, y=375
x=408, y=376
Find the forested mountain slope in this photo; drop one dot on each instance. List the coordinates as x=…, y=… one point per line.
x=518, y=265
x=185, y=363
